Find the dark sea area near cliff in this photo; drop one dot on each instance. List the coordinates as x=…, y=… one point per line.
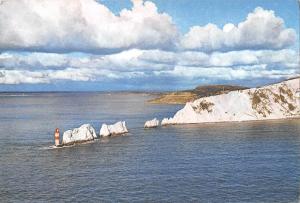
x=216, y=162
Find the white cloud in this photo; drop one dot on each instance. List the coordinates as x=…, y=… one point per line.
x=89, y=26
x=227, y=73
x=261, y=30
x=282, y=58
x=138, y=64
x=137, y=38
x=22, y=76
x=33, y=60
x=82, y=25
x=72, y=74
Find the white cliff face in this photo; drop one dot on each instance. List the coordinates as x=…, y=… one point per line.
x=115, y=129
x=84, y=133
x=275, y=101
x=152, y=123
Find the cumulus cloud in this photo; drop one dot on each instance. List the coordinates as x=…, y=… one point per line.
x=261, y=30
x=82, y=25
x=38, y=39
x=33, y=60
x=22, y=77
x=16, y=68
x=282, y=58
x=89, y=26
x=226, y=73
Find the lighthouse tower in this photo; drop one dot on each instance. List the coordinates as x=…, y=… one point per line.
x=56, y=137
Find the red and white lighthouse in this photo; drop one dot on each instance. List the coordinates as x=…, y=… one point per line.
x=56, y=137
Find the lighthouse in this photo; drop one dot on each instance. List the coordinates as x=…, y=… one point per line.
x=56, y=137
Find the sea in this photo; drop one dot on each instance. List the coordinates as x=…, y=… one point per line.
x=216, y=162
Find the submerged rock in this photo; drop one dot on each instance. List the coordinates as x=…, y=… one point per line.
x=152, y=123
x=115, y=129
x=84, y=133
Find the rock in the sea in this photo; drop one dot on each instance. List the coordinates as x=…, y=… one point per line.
x=115, y=129
x=84, y=133
x=276, y=101
x=104, y=131
x=166, y=121
x=152, y=123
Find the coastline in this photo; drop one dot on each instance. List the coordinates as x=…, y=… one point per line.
x=277, y=101
x=227, y=122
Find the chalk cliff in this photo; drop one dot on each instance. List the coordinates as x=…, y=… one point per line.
x=276, y=101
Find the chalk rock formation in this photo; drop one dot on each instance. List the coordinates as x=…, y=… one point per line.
x=115, y=129
x=84, y=133
x=152, y=123
x=276, y=101
x=166, y=121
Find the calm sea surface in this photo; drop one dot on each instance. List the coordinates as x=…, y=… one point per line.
x=226, y=162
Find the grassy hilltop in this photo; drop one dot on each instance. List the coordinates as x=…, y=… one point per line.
x=181, y=97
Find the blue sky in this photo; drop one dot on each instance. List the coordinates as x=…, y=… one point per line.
x=146, y=45
x=187, y=13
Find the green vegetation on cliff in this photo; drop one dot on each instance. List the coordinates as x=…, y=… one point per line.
x=181, y=97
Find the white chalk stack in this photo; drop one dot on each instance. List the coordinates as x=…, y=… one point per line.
x=166, y=121
x=84, y=133
x=115, y=129
x=152, y=123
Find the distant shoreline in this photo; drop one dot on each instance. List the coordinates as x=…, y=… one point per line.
x=182, y=97
x=137, y=92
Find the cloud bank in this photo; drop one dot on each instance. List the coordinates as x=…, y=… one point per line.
x=89, y=26
x=138, y=64
x=82, y=25
x=261, y=30
x=45, y=42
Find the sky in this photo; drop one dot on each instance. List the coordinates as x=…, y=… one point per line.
x=113, y=45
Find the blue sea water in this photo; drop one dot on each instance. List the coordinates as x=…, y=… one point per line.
x=224, y=162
